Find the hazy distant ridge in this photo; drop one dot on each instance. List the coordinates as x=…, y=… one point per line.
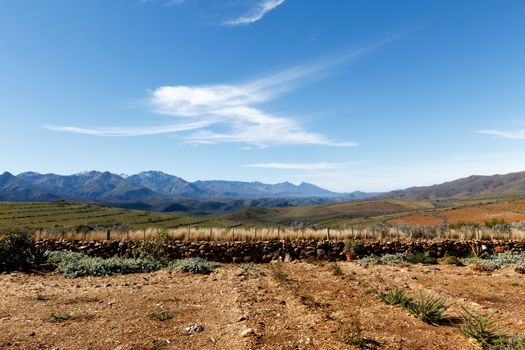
x=146, y=187
x=472, y=186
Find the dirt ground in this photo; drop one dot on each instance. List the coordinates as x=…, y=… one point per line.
x=294, y=305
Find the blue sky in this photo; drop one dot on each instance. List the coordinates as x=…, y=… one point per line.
x=349, y=95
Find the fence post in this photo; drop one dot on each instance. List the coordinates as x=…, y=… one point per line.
x=211, y=234
x=108, y=235
x=328, y=233
x=233, y=234
x=144, y=231
x=278, y=233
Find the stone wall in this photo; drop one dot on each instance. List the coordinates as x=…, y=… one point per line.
x=266, y=251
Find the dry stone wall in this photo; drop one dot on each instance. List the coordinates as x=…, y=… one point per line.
x=266, y=251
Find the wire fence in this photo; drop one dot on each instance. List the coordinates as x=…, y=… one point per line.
x=284, y=233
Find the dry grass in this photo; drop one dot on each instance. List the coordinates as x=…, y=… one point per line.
x=272, y=233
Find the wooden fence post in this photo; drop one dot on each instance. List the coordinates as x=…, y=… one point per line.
x=278, y=233
x=328, y=233
x=108, y=235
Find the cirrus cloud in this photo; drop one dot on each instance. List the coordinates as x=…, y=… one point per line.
x=255, y=14
x=235, y=113
x=512, y=135
x=300, y=166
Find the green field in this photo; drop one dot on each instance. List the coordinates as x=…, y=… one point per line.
x=71, y=215
x=88, y=217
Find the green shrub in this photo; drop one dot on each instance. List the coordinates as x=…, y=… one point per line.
x=490, y=333
x=72, y=265
x=351, y=246
x=452, y=260
x=153, y=248
x=498, y=261
x=481, y=327
x=396, y=297
x=420, y=258
x=386, y=259
x=428, y=308
x=18, y=253
x=59, y=318
x=495, y=222
x=509, y=343
x=161, y=316
x=193, y=265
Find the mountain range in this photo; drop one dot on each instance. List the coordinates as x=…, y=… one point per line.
x=155, y=190
x=158, y=191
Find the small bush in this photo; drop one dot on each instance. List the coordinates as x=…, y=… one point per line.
x=336, y=270
x=396, y=297
x=153, y=248
x=428, y=308
x=452, y=260
x=481, y=267
x=509, y=343
x=495, y=222
x=498, y=261
x=72, y=265
x=194, y=265
x=387, y=259
x=279, y=275
x=161, y=316
x=351, y=333
x=370, y=291
x=490, y=333
x=59, y=318
x=18, y=253
x=352, y=245
x=481, y=327
x=420, y=258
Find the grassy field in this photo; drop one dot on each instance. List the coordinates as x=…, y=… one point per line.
x=357, y=219
x=70, y=215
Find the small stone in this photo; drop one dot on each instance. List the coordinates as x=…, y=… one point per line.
x=248, y=332
x=194, y=328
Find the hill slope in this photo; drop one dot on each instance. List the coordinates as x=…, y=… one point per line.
x=472, y=186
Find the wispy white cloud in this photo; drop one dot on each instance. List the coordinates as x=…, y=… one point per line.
x=300, y=166
x=165, y=3
x=512, y=135
x=126, y=132
x=234, y=112
x=254, y=14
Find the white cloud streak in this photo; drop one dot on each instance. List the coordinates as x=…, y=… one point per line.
x=512, y=135
x=255, y=14
x=299, y=166
x=127, y=132
x=220, y=113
